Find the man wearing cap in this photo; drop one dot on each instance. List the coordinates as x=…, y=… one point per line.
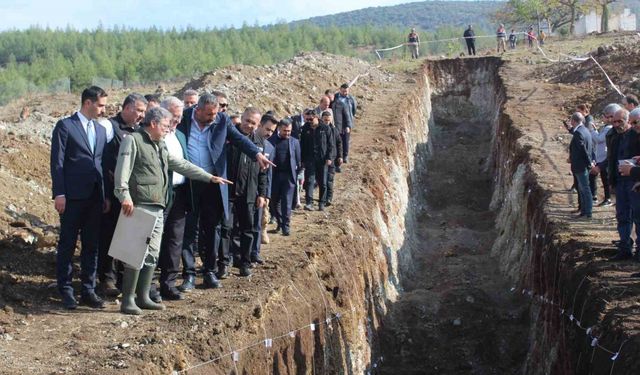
x=318, y=152
x=287, y=158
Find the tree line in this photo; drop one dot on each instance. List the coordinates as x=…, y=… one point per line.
x=36, y=58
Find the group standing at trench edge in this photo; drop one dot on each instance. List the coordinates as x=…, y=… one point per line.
x=212, y=181
x=469, y=36
x=612, y=151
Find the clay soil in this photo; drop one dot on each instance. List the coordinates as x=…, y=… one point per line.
x=37, y=336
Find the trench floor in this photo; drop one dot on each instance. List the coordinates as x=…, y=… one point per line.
x=456, y=314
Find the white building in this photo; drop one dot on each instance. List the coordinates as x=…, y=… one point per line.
x=590, y=23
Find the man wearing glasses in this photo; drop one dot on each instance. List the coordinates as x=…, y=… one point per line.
x=624, y=145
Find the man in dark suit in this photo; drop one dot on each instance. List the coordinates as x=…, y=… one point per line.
x=124, y=123
x=580, y=156
x=77, y=145
x=208, y=133
x=288, y=161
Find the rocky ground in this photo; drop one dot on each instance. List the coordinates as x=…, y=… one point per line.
x=36, y=336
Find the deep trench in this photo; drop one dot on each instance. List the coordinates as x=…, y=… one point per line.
x=455, y=313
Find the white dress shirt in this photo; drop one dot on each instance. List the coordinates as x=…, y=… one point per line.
x=173, y=145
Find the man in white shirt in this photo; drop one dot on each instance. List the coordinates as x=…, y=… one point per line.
x=176, y=212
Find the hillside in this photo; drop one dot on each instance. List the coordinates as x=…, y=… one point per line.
x=425, y=15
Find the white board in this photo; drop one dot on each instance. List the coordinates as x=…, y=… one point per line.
x=131, y=237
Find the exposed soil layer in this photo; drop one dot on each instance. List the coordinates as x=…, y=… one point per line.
x=456, y=314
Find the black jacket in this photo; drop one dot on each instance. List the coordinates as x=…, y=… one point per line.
x=110, y=155
x=316, y=144
x=613, y=141
x=337, y=142
x=249, y=181
x=581, y=150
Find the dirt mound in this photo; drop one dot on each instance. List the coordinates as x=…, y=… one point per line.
x=620, y=60
x=293, y=85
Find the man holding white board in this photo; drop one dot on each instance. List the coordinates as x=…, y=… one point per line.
x=142, y=179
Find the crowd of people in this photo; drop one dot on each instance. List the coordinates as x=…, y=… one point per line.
x=211, y=180
x=612, y=151
x=469, y=36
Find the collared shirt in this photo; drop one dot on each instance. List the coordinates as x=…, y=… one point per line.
x=84, y=121
x=198, y=145
x=175, y=150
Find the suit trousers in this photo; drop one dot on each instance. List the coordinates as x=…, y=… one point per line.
x=190, y=243
x=345, y=145
x=627, y=212
x=257, y=231
x=282, y=198
x=81, y=216
x=584, y=192
x=106, y=269
x=331, y=174
x=171, y=247
x=315, y=173
x=243, y=217
x=207, y=201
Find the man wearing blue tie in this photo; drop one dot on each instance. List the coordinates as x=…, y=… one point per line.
x=78, y=192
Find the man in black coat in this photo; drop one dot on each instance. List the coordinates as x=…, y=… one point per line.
x=580, y=156
x=327, y=119
x=470, y=39
x=124, y=123
x=318, y=153
x=623, y=146
x=248, y=192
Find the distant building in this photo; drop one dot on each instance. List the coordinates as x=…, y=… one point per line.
x=590, y=23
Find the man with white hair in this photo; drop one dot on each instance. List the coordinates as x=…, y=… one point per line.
x=580, y=151
x=623, y=146
x=179, y=203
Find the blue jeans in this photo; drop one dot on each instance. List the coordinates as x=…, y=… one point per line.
x=584, y=191
x=627, y=212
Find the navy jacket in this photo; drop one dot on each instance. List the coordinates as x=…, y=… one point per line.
x=223, y=132
x=581, y=150
x=75, y=170
x=295, y=160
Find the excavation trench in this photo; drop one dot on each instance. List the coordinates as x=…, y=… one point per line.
x=455, y=313
x=416, y=273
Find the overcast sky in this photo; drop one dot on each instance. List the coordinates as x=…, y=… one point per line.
x=21, y=14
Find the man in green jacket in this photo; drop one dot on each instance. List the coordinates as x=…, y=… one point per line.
x=142, y=178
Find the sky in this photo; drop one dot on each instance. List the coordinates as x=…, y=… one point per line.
x=88, y=14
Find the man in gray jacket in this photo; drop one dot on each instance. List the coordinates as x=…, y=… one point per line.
x=142, y=178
